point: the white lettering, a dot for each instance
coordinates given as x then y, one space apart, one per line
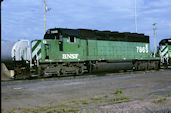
55 31
69 56
142 49
44 41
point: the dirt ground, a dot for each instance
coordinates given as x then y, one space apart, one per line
129 92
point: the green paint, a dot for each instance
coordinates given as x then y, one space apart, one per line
83 50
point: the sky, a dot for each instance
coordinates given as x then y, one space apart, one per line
24 19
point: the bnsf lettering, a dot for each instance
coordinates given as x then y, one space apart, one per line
142 49
69 56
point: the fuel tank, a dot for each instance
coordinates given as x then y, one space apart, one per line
112 66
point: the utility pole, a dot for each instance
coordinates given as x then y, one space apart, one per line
135 10
44 16
154 29
45 10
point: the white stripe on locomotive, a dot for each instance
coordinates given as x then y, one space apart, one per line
164 51
33 43
35 52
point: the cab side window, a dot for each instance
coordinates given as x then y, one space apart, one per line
71 39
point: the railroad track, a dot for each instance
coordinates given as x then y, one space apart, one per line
86 75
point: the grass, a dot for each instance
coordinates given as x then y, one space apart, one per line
62 110
24 110
169 95
123 98
12 111
118 92
96 98
2 110
62 105
85 102
106 96
59 108
73 106
141 98
72 101
66 110
160 101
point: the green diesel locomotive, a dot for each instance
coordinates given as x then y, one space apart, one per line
165 52
77 51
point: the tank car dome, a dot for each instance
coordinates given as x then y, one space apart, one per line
21 50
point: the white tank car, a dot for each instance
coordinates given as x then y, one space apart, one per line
19 50
11 51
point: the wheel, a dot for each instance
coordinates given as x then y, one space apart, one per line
58 73
77 72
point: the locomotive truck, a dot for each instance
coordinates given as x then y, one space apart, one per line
76 51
